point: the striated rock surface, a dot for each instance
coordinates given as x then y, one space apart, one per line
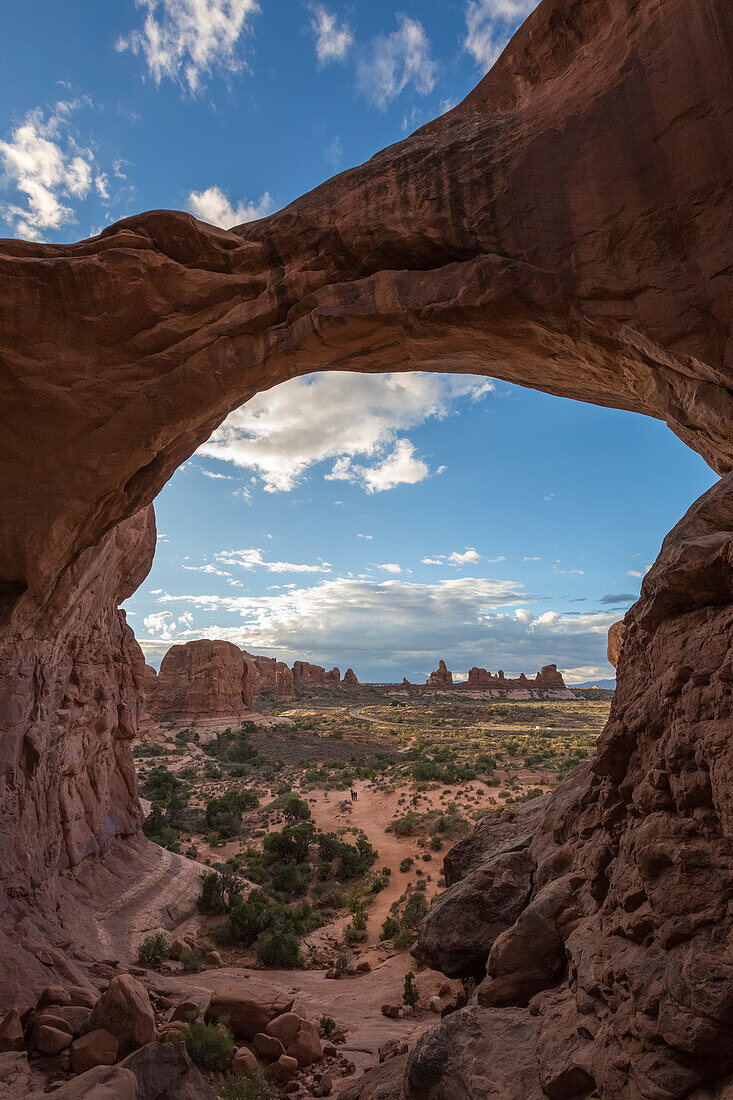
567 227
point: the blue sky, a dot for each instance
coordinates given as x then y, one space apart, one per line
379 522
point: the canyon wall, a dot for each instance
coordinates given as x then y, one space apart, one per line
567 227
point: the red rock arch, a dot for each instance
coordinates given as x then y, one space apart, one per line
566 227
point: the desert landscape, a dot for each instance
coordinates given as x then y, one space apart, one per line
249 878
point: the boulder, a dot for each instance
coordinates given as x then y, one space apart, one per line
50 1040
267 1046
284 1027
53 995
165 1070
393 1048
101 1083
245 1061
81 997
185 1011
246 1014
11 1033
96 1048
126 1012
382 1082
284 1069
76 1016
306 1046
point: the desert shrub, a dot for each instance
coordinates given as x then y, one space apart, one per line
290 880
248 1086
390 928
279 949
295 808
405 826
257 914
328 895
327 1024
154 948
355 935
410 994
406 863
210 1045
193 959
415 909
219 891
290 845
436 843
224 815
160 785
379 882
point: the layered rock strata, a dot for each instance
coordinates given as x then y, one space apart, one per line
205 679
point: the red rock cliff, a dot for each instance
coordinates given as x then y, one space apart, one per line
205 678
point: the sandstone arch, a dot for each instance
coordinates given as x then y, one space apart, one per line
567 227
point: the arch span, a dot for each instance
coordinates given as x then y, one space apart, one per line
567 227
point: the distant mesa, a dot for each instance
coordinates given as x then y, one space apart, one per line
214 679
480 679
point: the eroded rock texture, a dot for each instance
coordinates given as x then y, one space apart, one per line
205 678
567 227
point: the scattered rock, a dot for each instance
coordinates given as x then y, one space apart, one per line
186 1011
50 1040
166 1070
284 1027
267 1046
392 1011
126 1012
306 1046
245 1061
101 1083
392 1049
53 995
247 1015
435 1005
11 1033
96 1048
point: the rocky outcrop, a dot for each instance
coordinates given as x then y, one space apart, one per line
307 675
615 641
350 678
284 683
205 678
548 678
267 669
567 227
441 677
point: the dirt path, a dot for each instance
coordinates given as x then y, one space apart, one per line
372 812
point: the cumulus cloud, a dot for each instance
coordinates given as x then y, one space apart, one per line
490 24
392 627
634 573
390 567
457 559
182 40
395 61
215 207
50 171
333 39
337 416
253 558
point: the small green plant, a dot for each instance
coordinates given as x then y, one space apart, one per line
153 949
406 864
248 1086
390 928
327 1024
193 959
210 1045
411 994
279 949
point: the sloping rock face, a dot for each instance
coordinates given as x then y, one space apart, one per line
205 678
284 682
567 227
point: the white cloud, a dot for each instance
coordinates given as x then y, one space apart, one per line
253 559
549 497
634 573
184 39
336 416
526 558
215 476
360 536
333 39
490 24
214 207
334 154
396 60
208 568
44 163
390 567
457 559
394 626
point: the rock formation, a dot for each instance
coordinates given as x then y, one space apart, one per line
284 683
205 679
350 678
548 678
441 678
307 675
267 669
615 641
567 227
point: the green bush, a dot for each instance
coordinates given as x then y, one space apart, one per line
154 948
406 863
410 995
193 959
279 949
413 913
295 808
290 845
390 929
249 1086
210 1045
219 891
327 1024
